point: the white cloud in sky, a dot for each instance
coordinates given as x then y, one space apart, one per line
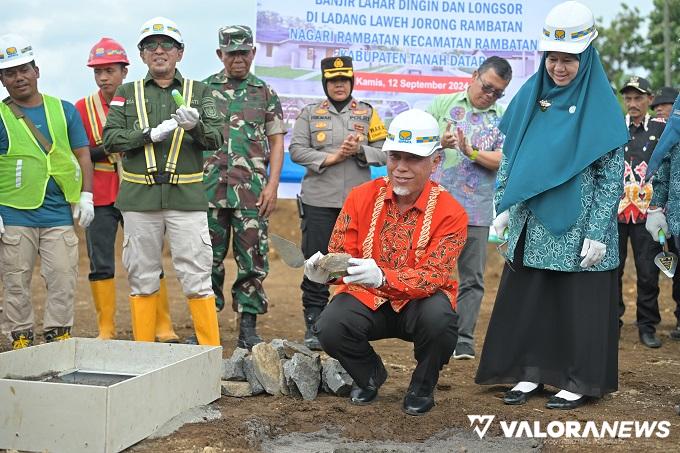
62 33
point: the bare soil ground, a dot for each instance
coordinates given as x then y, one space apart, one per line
649 380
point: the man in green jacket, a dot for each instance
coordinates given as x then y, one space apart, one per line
162 188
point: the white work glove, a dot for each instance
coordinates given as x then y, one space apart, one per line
364 272
593 252
656 220
163 130
186 117
2 227
500 223
313 271
84 210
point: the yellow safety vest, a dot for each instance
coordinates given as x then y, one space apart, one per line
26 169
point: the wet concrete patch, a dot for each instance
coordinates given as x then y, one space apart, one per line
329 441
78 377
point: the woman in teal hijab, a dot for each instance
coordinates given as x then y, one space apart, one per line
555 320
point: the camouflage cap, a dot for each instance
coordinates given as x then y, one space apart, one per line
235 37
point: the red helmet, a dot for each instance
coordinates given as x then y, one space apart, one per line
107 51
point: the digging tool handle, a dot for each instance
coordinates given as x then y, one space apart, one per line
662 237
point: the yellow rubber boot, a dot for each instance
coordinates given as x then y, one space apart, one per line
205 320
143 314
104 296
164 331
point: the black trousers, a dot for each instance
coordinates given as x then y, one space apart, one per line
644 251
346 327
673 247
101 242
316 225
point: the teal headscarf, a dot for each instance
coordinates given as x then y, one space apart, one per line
548 150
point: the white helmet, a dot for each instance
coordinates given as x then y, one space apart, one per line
160 26
569 27
413 131
14 51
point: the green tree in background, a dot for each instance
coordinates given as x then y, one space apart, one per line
653 59
624 51
621 45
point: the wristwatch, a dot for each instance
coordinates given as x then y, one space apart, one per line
146 133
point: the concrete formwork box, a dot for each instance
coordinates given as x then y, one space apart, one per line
88 395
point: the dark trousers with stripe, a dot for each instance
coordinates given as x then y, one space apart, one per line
347 326
317 225
644 251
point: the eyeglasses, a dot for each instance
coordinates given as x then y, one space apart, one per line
151 46
489 89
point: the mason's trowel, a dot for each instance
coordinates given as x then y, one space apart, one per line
289 251
666 261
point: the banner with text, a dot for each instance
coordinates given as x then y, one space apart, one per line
404 51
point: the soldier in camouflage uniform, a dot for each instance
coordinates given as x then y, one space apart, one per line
240 193
336 139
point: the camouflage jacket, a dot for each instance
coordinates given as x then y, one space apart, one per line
236 173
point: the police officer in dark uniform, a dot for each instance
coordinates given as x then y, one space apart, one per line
337 140
632 214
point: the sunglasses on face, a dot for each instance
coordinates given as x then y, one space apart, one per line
153 45
489 89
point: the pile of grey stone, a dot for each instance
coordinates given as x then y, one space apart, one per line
283 367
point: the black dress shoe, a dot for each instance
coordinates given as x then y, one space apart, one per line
362 396
417 405
366 395
675 333
560 403
650 340
517 397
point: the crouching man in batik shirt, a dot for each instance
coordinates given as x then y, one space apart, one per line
404 233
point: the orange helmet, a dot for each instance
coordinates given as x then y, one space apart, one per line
107 51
